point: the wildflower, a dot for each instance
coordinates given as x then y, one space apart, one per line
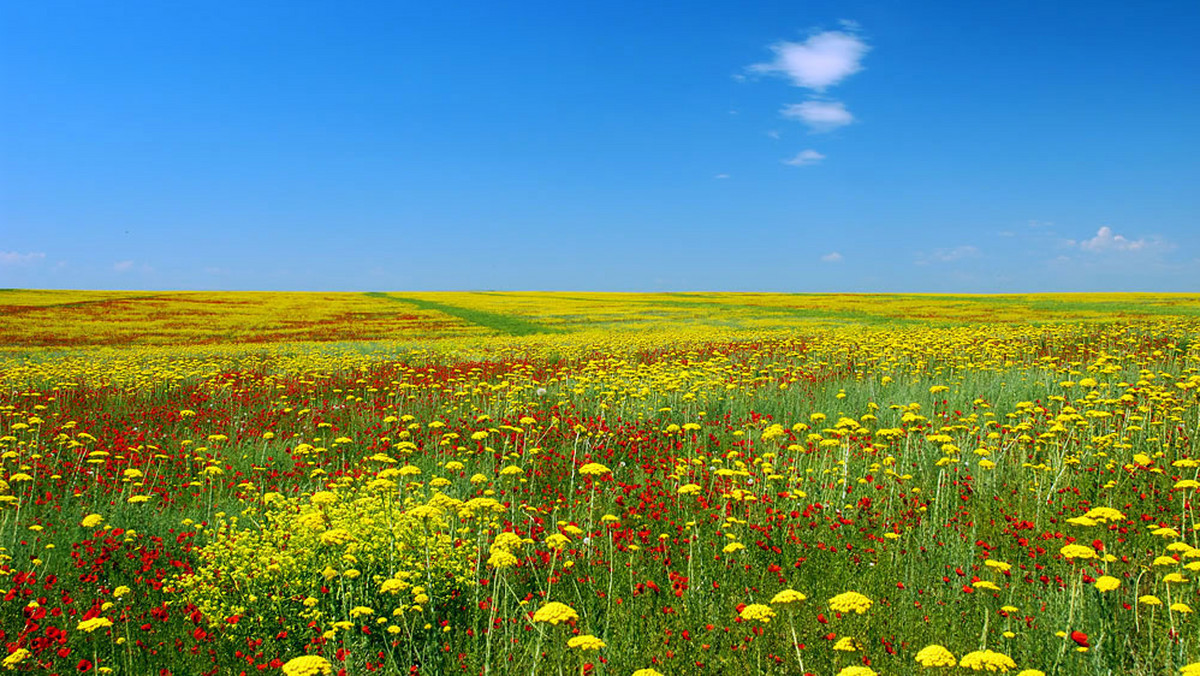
987 660
1074 551
361 611
850 602
18 656
121 591
308 665
1107 583
857 670
91 521
647 672
1031 672
1181 607
847 644
688 489
555 613
337 536
788 597
557 541
93 624
1174 578
935 656
1192 669
732 547
1149 600
501 558
593 469
585 642
323 498
758 611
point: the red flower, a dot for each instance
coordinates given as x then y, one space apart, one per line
1080 638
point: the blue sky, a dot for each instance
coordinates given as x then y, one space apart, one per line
805 146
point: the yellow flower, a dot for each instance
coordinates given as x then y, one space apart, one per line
857 670
688 489
361 611
847 602
1181 607
501 558
987 660
323 498
585 642
308 665
555 613
593 469
93 624
91 521
1149 600
1104 514
847 644
16 657
1078 552
732 547
1106 583
121 591
1031 672
788 597
1192 669
647 672
936 656
984 584
758 611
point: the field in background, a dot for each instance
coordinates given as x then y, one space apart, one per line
562 483
83 318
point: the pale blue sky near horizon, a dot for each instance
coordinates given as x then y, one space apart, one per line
720 146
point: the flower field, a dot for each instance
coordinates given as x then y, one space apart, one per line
301 484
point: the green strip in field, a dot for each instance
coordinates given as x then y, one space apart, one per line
507 324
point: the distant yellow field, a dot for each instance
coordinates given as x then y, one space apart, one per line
30 318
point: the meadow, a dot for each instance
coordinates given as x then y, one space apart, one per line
591 483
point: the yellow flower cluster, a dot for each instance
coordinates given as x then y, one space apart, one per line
850 602
758 611
987 660
936 656
555 613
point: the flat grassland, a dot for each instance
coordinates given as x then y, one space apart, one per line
600 483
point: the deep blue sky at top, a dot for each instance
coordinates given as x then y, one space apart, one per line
960 146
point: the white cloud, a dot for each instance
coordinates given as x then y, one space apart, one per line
773 134
123 266
14 258
820 116
832 257
957 253
821 61
1106 240
805 158
948 255
721 176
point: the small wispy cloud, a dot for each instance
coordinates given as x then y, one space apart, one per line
15 258
805 158
821 61
820 116
721 176
948 255
832 257
123 266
